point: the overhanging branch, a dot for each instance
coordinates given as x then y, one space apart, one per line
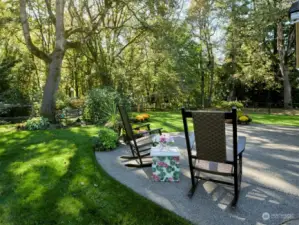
26 31
49 8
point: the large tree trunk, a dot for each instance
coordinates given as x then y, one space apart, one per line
52 85
287 93
53 60
287 89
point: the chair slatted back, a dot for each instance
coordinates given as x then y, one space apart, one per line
126 122
210 139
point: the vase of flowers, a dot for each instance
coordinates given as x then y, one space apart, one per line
163 141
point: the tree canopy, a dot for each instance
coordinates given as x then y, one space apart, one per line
153 52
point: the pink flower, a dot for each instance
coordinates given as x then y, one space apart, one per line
155 177
163 139
176 158
170 179
163 164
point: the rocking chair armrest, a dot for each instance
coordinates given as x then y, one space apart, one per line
158 130
241 144
150 145
192 140
144 125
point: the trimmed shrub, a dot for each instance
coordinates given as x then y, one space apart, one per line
227 105
38 123
106 140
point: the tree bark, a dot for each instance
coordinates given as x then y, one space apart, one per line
211 69
287 93
53 60
287 89
52 85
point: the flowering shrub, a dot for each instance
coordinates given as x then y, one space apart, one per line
244 119
142 117
38 123
145 116
139 118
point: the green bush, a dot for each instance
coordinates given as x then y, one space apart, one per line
38 123
36 109
76 103
240 113
106 140
60 104
61 100
14 96
227 105
101 106
3 109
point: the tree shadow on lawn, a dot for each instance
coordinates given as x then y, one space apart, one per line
54 179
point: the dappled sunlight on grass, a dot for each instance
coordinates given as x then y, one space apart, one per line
52 177
283 120
169 121
172 121
70 206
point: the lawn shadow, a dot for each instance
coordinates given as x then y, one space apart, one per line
55 179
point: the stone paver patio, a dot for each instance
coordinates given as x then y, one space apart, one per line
270 184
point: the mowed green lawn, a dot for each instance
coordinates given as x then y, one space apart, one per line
281 120
52 177
172 121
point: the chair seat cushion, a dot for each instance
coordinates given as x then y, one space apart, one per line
214 167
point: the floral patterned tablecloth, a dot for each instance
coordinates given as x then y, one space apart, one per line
166 164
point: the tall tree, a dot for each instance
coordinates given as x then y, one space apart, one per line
53 60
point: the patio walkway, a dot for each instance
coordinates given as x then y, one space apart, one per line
270 184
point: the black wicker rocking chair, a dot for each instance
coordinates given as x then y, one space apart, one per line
212 156
140 146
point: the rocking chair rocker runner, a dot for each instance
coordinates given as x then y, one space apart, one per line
211 151
140 147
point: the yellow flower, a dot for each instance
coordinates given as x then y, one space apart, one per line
140 118
145 116
244 118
